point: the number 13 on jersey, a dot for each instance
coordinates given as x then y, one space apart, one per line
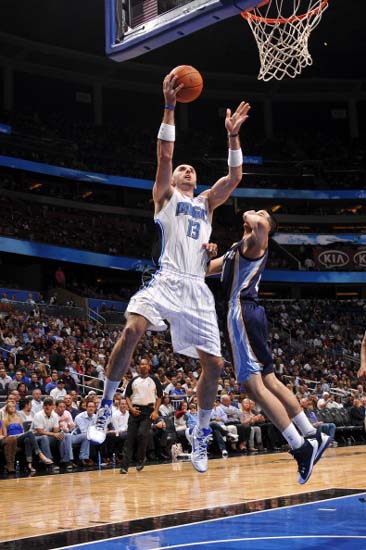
193 230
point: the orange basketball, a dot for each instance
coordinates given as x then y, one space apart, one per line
192 80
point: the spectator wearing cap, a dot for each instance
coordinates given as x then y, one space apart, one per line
68 380
59 391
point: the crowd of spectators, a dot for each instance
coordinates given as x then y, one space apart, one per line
39 187
136 237
52 366
316 160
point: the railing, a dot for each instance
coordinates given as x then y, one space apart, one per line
314 384
95 316
84 386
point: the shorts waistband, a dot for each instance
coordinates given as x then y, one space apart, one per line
182 274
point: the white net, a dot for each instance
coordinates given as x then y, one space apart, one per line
282 29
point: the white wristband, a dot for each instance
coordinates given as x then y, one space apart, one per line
235 158
166 132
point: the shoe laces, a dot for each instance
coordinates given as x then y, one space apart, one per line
202 444
102 418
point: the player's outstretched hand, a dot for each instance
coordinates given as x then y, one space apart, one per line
211 249
170 89
234 121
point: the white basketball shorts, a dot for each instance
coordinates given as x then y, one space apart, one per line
188 305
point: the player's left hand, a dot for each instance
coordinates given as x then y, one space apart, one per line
211 249
234 121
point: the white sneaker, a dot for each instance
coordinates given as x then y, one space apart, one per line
199 439
224 453
97 431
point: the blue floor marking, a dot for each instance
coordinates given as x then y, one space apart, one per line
339 524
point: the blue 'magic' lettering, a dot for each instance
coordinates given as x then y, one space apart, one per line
187 209
183 208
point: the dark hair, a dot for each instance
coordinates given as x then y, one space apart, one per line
24 402
48 401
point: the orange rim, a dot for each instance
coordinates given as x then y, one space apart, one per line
282 20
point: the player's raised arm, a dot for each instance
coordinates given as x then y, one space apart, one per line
162 189
223 188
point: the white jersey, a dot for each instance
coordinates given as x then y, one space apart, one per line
185 226
177 293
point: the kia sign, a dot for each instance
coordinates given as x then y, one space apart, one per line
359 259
340 259
333 258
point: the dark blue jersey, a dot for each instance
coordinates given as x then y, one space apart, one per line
246 327
241 276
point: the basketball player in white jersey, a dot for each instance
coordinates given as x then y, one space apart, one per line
178 292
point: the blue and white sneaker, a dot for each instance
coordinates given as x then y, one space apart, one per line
199 438
305 457
98 430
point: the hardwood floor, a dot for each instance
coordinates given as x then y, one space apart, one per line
57 503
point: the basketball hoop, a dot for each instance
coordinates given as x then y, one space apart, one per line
282 29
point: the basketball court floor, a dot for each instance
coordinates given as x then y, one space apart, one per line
243 502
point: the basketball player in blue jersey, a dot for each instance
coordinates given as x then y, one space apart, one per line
178 292
247 338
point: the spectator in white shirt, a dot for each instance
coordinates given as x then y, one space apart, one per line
79 437
46 422
59 391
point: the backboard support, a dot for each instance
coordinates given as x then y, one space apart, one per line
135 27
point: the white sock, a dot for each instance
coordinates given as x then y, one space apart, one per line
292 436
204 417
302 422
110 387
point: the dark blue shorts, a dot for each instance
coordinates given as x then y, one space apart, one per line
247 340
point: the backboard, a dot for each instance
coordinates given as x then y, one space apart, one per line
135 27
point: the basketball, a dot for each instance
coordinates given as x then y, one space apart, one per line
192 80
